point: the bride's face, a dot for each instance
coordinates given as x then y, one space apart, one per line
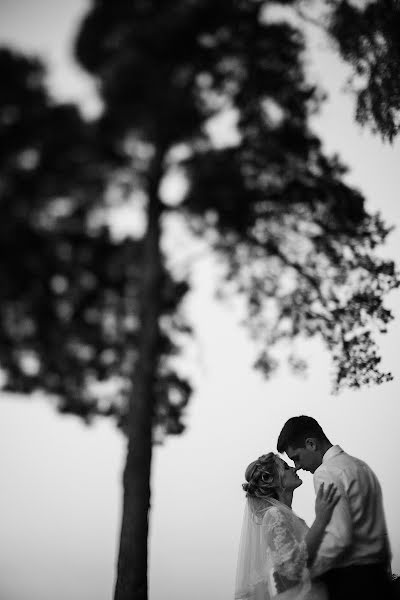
289 478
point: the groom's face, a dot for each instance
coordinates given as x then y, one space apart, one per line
306 458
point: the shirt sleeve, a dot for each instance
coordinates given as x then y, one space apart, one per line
287 554
339 531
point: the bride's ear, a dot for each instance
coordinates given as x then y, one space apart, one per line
311 444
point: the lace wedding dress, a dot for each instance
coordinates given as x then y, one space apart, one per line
272 563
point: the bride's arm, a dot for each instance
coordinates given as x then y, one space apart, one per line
325 502
286 550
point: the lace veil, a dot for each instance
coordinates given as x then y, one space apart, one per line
272 561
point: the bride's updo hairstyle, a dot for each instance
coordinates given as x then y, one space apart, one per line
263 477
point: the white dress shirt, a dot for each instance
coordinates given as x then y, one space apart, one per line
357 532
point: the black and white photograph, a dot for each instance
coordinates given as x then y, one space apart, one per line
200 299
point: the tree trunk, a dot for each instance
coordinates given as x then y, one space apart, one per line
131 581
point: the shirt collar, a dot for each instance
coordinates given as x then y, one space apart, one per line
333 451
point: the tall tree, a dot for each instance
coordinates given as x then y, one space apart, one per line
298 242
79 308
69 290
70 294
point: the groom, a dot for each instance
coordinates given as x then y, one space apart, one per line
354 557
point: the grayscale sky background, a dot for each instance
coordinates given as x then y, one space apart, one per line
60 481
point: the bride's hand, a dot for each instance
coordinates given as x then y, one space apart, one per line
326 501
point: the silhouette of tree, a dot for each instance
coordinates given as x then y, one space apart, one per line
80 308
297 241
69 292
368 39
366 36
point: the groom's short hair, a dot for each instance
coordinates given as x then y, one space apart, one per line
296 430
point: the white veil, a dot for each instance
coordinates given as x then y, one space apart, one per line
272 561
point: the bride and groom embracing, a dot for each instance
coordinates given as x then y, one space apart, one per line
344 555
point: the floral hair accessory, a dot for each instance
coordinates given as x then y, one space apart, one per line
262 476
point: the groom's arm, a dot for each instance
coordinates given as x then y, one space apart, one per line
339 531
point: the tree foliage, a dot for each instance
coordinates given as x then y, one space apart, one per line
291 231
297 241
367 38
69 308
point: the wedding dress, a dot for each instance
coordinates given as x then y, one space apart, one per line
272 563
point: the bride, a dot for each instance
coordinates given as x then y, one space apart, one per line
277 548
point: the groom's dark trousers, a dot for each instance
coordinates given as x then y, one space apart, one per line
366 582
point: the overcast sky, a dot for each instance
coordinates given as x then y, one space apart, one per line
61 493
